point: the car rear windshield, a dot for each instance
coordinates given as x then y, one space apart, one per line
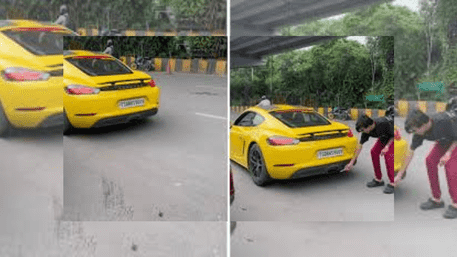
99 66
38 42
299 118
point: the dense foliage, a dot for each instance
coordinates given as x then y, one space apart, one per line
122 14
338 73
181 47
425 42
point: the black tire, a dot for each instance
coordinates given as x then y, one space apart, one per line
5 126
256 166
67 127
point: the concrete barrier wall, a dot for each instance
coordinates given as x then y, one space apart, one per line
355 113
404 107
202 66
95 32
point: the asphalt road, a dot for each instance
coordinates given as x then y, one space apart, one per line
31 187
340 197
345 239
171 167
415 188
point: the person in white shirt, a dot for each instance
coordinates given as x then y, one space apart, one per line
264 103
63 18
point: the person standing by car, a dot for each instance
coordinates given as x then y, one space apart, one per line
441 128
383 129
63 18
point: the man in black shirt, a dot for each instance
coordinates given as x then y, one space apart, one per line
441 128
383 129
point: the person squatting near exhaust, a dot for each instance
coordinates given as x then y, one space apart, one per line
383 129
441 128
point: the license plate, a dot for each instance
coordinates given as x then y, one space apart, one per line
330 153
131 103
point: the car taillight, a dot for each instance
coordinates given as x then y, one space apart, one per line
152 83
350 133
278 140
81 90
397 135
23 74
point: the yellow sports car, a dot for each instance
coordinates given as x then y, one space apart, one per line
400 150
100 90
286 142
31 74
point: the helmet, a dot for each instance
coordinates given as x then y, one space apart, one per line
63 9
110 42
452 104
264 97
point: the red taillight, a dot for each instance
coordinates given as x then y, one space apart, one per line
23 74
276 140
92 57
81 90
350 133
38 29
152 83
397 135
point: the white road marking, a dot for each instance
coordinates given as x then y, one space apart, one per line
211 116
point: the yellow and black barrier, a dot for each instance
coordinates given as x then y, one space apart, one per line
404 107
201 66
95 32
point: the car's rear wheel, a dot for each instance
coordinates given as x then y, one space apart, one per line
331 116
67 128
133 66
257 167
5 126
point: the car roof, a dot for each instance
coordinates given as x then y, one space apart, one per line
10 24
280 107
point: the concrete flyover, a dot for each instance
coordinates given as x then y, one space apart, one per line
264 17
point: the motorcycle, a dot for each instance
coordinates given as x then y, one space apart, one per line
143 63
391 112
340 113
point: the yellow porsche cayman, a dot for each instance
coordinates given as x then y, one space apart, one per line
31 74
100 91
400 150
286 142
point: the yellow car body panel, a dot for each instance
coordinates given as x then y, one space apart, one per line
302 155
400 152
43 96
105 104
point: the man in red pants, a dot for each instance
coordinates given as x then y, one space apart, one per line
383 129
442 128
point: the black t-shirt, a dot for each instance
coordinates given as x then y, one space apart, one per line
384 130
443 130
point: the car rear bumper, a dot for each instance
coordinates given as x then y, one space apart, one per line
96 110
125 118
285 162
400 152
320 170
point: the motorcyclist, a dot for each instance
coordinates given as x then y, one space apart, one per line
264 102
109 47
63 18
